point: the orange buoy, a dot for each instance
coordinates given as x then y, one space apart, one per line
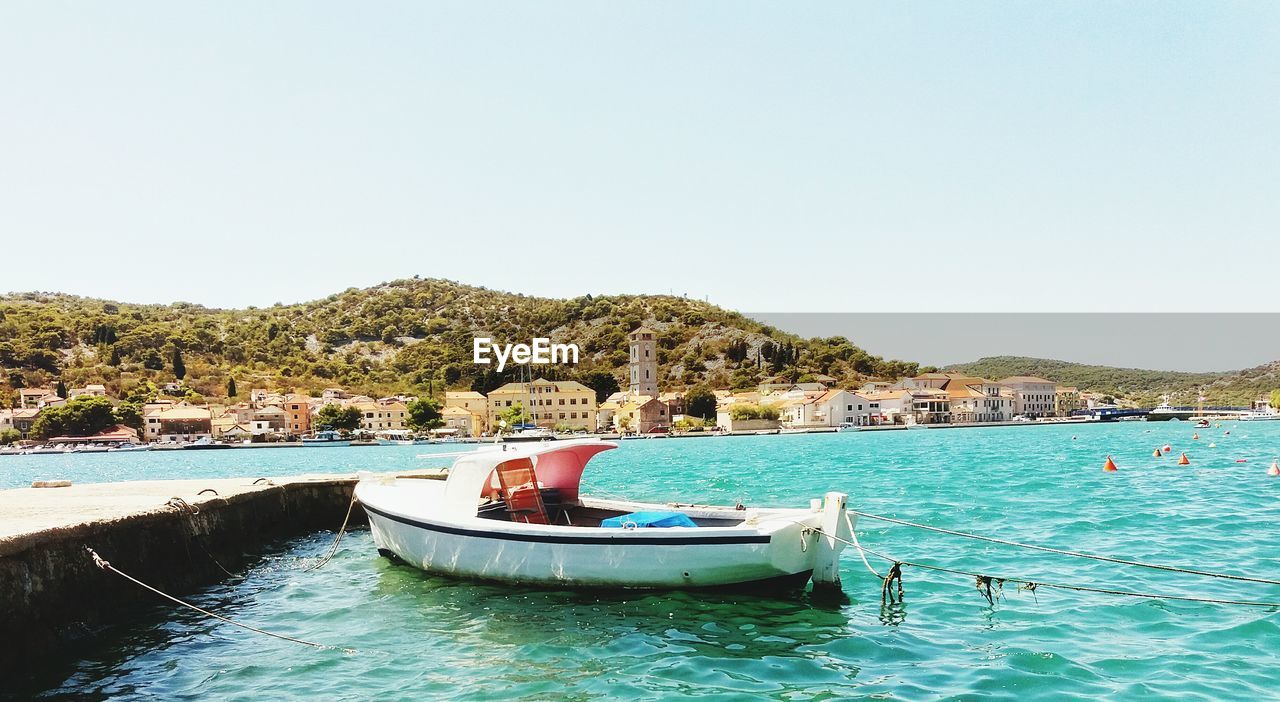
1167 448
1184 461
1195 437
1110 465
1274 469
1156 453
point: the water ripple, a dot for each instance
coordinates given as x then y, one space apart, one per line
426 637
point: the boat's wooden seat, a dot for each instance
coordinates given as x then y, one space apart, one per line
521 492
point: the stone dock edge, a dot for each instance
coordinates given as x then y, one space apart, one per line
54 599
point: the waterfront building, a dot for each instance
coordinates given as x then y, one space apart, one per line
461 422
1032 396
837 406
641 414
270 419
890 406
474 404
234 431
799 411
605 415
375 417
546 403
116 434
643 370
1067 400
469 400
979 400
6 420
177 423
674 402
221 423
297 410
931 381
930 406
23 418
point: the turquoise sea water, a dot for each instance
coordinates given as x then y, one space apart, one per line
425 637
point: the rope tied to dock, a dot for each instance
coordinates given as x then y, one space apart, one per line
105 565
1074 554
191 511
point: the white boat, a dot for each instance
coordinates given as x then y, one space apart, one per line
205 443
848 426
1256 416
515 515
530 434
42 450
91 448
128 447
326 438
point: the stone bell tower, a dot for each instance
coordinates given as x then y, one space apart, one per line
644 362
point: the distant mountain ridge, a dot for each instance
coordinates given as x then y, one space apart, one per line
412 335
1142 385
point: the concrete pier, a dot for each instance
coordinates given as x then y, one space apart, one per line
51 595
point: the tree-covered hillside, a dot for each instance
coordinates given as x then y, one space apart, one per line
403 336
1143 386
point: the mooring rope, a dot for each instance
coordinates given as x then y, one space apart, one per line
1075 554
338 540
985 581
854 534
191 511
106 565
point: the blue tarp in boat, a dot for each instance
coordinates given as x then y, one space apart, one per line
649 519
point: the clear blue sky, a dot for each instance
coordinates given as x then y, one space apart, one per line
786 157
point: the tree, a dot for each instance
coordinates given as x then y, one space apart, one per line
129 414
424 414
231 387
747 410
513 415
700 402
1275 399
61 389
338 417
602 382
9 436
83 416
179 368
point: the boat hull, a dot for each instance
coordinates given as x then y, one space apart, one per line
601 558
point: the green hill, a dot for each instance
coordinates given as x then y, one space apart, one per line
1143 386
403 336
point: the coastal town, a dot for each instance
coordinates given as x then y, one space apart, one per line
564 406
